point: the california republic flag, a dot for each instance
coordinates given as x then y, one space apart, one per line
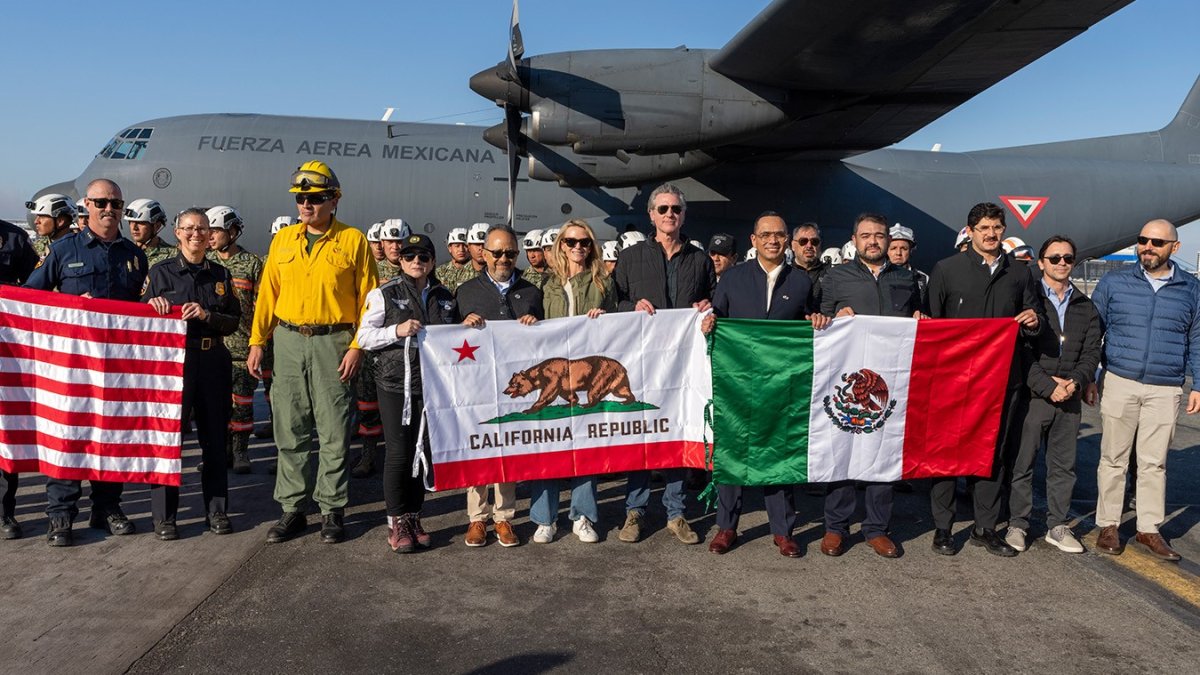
565 397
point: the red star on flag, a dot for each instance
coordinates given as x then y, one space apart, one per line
465 352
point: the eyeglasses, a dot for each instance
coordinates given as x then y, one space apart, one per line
772 236
572 243
316 199
409 257
1055 259
103 203
805 241
1155 242
189 231
673 208
511 255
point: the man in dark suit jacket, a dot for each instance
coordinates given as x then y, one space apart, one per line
763 288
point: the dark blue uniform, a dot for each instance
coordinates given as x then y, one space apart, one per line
82 263
17 257
17 260
207 372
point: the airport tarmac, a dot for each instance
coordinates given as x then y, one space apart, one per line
227 604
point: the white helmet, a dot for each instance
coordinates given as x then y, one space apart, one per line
373 232
697 244
899 231
532 240
849 252
53 205
223 218
831 256
457 235
789 256
964 236
81 207
280 223
478 233
549 237
1012 243
145 211
393 229
751 254
609 251
630 238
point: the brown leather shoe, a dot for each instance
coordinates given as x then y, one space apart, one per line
1109 541
1155 543
476 534
788 546
722 542
505 534
884 546
831 544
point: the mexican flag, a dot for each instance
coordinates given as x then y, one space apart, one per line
565 397
870 398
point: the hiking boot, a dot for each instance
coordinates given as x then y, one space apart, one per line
241 462
400 534
419 534
59 533
683 532
631 532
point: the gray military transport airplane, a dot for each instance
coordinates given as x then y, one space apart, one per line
795 114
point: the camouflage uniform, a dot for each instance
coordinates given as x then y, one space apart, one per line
386 270
452 275
42 244
535 277
246 270
157 251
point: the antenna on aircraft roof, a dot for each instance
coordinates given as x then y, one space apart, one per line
387 114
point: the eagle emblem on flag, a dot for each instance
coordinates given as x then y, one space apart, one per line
861 404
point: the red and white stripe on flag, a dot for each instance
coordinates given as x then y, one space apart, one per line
89 389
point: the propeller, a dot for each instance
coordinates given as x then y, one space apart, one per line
512 116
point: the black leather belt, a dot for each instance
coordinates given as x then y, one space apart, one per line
325 329
203 344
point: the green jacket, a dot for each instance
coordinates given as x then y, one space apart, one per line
587 296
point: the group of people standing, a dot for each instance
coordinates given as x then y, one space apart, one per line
320 300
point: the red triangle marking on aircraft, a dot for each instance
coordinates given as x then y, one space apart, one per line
466 351
1024 208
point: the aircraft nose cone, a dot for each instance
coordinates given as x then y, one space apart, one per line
489 84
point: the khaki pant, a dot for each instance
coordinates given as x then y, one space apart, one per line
308 395
505 508
1129 408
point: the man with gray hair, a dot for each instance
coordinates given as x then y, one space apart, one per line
806 250
1151 318
664 272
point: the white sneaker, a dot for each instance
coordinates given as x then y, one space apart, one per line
1015 537
583 529
545 534
1061 537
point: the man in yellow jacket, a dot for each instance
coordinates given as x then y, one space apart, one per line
314 283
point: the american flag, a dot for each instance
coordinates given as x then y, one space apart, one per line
89 389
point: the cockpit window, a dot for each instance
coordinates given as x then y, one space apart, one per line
129 144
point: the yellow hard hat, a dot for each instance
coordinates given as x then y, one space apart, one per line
315 176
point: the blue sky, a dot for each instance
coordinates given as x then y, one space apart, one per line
78 73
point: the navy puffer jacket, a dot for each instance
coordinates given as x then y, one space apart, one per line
1152 338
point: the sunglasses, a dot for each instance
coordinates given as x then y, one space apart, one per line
511 255
1055 259
315 199
103 203
673 208
1155 242
805 241
409 257
572 243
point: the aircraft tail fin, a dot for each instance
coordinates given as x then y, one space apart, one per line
1187 120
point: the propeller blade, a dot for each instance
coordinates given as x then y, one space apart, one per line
512 127
516 45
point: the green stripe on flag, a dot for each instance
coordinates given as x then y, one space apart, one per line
762 375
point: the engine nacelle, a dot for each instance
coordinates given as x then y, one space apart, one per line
581 171
643 101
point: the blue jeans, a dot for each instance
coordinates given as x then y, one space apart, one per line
637 492
543 500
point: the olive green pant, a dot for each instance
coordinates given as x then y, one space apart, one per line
308 395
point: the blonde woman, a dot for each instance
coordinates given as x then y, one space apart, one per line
577 284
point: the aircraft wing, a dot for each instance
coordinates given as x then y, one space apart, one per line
887 68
